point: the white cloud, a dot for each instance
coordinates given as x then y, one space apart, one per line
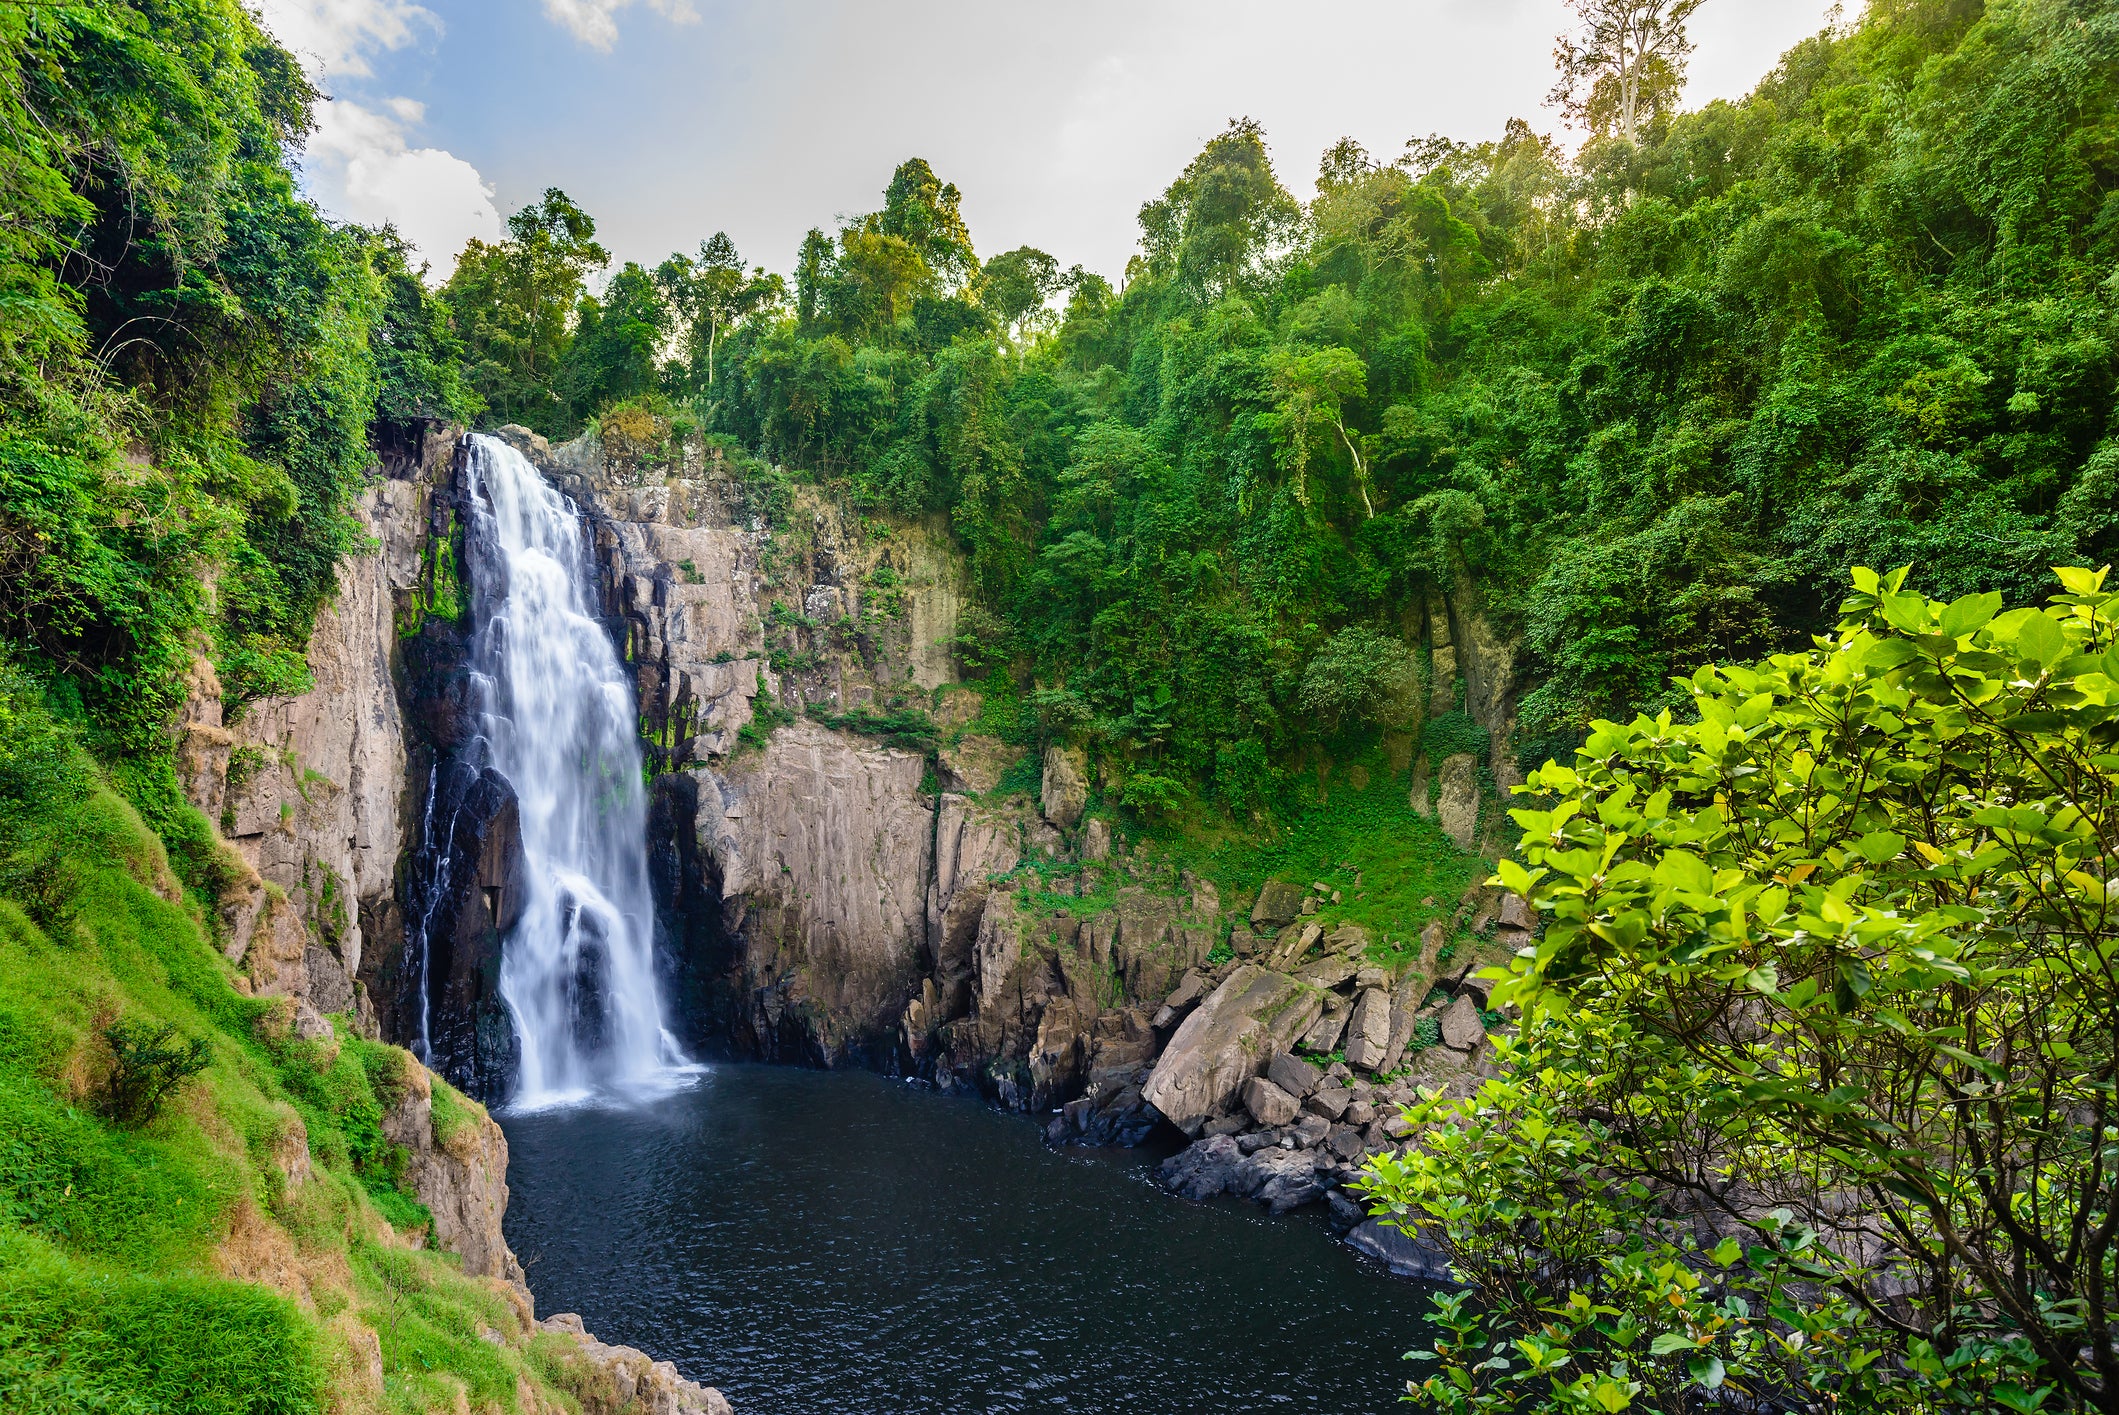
362 166
595 22
334 38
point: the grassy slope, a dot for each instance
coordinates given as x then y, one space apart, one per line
124 1253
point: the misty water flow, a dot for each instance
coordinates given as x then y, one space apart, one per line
577 971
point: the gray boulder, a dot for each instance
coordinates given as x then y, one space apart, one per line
1406 1255
1462 1028
1066 786
1268 1104
1368 1034
1330 1102
1252 1017
1278 903
1310 1130
1457 803
1293 1075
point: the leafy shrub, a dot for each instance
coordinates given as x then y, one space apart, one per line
148 1063
1357 675
1828 975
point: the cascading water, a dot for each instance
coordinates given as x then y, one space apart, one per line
577 971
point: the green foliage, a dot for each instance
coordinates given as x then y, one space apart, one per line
1830 965
148 1063
1357 676
1653 402
906 727
512 304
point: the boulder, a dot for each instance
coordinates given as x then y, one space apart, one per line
1516 913
1359 1113
1406 1255
1066 787
1330 1102
1189 990
1293 1075
1096 841
1251 1018
1324 1037
1368 1033
1331 972
1293 941
1269 1105
1457 805
1309 1130
1278 903
1462 1027
1345 1141
1372 978
1287 1179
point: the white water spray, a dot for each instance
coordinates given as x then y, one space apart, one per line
577 972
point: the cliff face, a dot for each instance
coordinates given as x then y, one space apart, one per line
843 876
309 790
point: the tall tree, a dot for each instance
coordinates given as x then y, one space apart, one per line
1624 52
513 304
1016 284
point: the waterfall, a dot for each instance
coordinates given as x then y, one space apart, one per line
577 971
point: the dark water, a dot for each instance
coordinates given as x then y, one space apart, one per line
815 1242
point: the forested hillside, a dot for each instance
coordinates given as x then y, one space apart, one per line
1648 400
1655 400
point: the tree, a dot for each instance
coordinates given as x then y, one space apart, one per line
1624 53
615 352
926 213
1829 980
512 303
1310 390
1016 284
1356 675
714 292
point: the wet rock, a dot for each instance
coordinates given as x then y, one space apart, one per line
1462 1027
1268 1104
1205 1169
1293 1075
1368 1033
1278 903
1347 1211
1252 1017
1344 1141
1286 1179
1406 1255
1066 786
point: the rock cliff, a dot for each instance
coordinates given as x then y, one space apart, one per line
309 790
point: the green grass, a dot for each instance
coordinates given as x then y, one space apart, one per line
116 1243
1333 831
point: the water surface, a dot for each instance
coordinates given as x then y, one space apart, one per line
817 1242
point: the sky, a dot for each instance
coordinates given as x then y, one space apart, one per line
668 120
